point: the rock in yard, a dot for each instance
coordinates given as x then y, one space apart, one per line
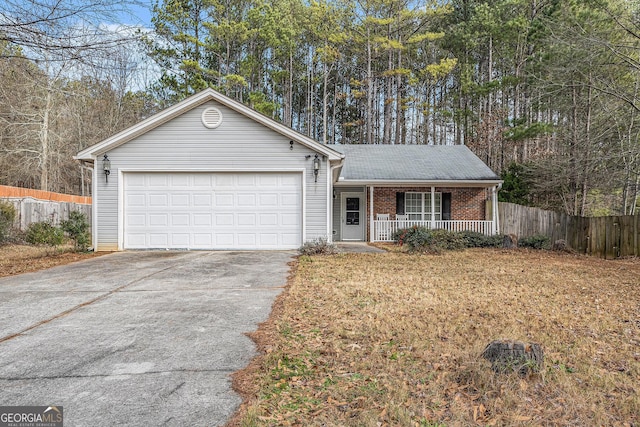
510 241
514 356
560 245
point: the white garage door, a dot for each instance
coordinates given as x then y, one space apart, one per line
212 210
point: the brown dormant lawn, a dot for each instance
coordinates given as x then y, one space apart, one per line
394 340
18 259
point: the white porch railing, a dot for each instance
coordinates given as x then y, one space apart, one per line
383 229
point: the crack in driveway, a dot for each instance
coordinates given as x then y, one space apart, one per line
81 305
122 374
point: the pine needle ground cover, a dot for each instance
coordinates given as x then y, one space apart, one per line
395 339
18 259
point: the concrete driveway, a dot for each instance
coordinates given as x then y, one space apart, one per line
136 338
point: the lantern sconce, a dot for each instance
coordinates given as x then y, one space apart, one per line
316 166
106 167
291 145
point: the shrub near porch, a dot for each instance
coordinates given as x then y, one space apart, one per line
395 339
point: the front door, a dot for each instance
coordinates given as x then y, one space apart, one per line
352 216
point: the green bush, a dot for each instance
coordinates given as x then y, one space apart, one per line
319 246
414 237
7 216
473 239
447 240
422 239
426 240
43 233
77 227
538 241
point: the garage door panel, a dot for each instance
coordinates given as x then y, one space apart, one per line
224 200
246 220
223 181
202 200
159 240
203 181
289 199
289 239
180 239
157 180
158 220
246 180
213 210
181 180
290 181
224 240
269 199
179 219
268 180
247 200
224 219
135 200
289 220
203 240
269 219
179 200
159 200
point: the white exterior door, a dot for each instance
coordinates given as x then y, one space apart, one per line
352 216
212 210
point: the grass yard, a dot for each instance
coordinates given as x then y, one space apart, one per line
394 339
18 259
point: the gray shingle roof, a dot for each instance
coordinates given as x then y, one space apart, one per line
412 163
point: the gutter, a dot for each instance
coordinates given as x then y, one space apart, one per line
412 183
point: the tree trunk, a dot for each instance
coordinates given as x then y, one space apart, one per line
44 143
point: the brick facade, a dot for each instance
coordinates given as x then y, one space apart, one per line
466 203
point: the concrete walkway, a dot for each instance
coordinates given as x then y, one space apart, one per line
136 338
358 247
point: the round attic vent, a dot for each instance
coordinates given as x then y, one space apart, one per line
211 117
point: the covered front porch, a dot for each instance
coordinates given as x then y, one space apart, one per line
375 212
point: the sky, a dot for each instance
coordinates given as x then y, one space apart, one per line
138 14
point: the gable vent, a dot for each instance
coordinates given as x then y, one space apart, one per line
211 117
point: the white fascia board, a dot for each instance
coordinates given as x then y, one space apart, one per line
193 102
418 183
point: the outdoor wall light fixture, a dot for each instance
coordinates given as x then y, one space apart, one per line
106 167
291 145
316 166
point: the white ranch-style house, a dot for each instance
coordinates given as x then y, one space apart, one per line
211 173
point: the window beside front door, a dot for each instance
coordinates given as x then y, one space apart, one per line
418 206
353 211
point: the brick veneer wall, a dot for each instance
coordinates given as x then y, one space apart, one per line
466 203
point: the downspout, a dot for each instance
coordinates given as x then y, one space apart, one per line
496 216
330 201
94 205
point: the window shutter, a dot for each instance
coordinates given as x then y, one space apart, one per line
446 206
399 203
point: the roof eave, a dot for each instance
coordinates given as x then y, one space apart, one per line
421 183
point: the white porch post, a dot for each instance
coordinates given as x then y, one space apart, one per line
371 213
496 216
433 207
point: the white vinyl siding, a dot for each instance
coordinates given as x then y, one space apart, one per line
184 144
418 206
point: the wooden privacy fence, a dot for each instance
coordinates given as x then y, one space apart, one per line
607 237
36 206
